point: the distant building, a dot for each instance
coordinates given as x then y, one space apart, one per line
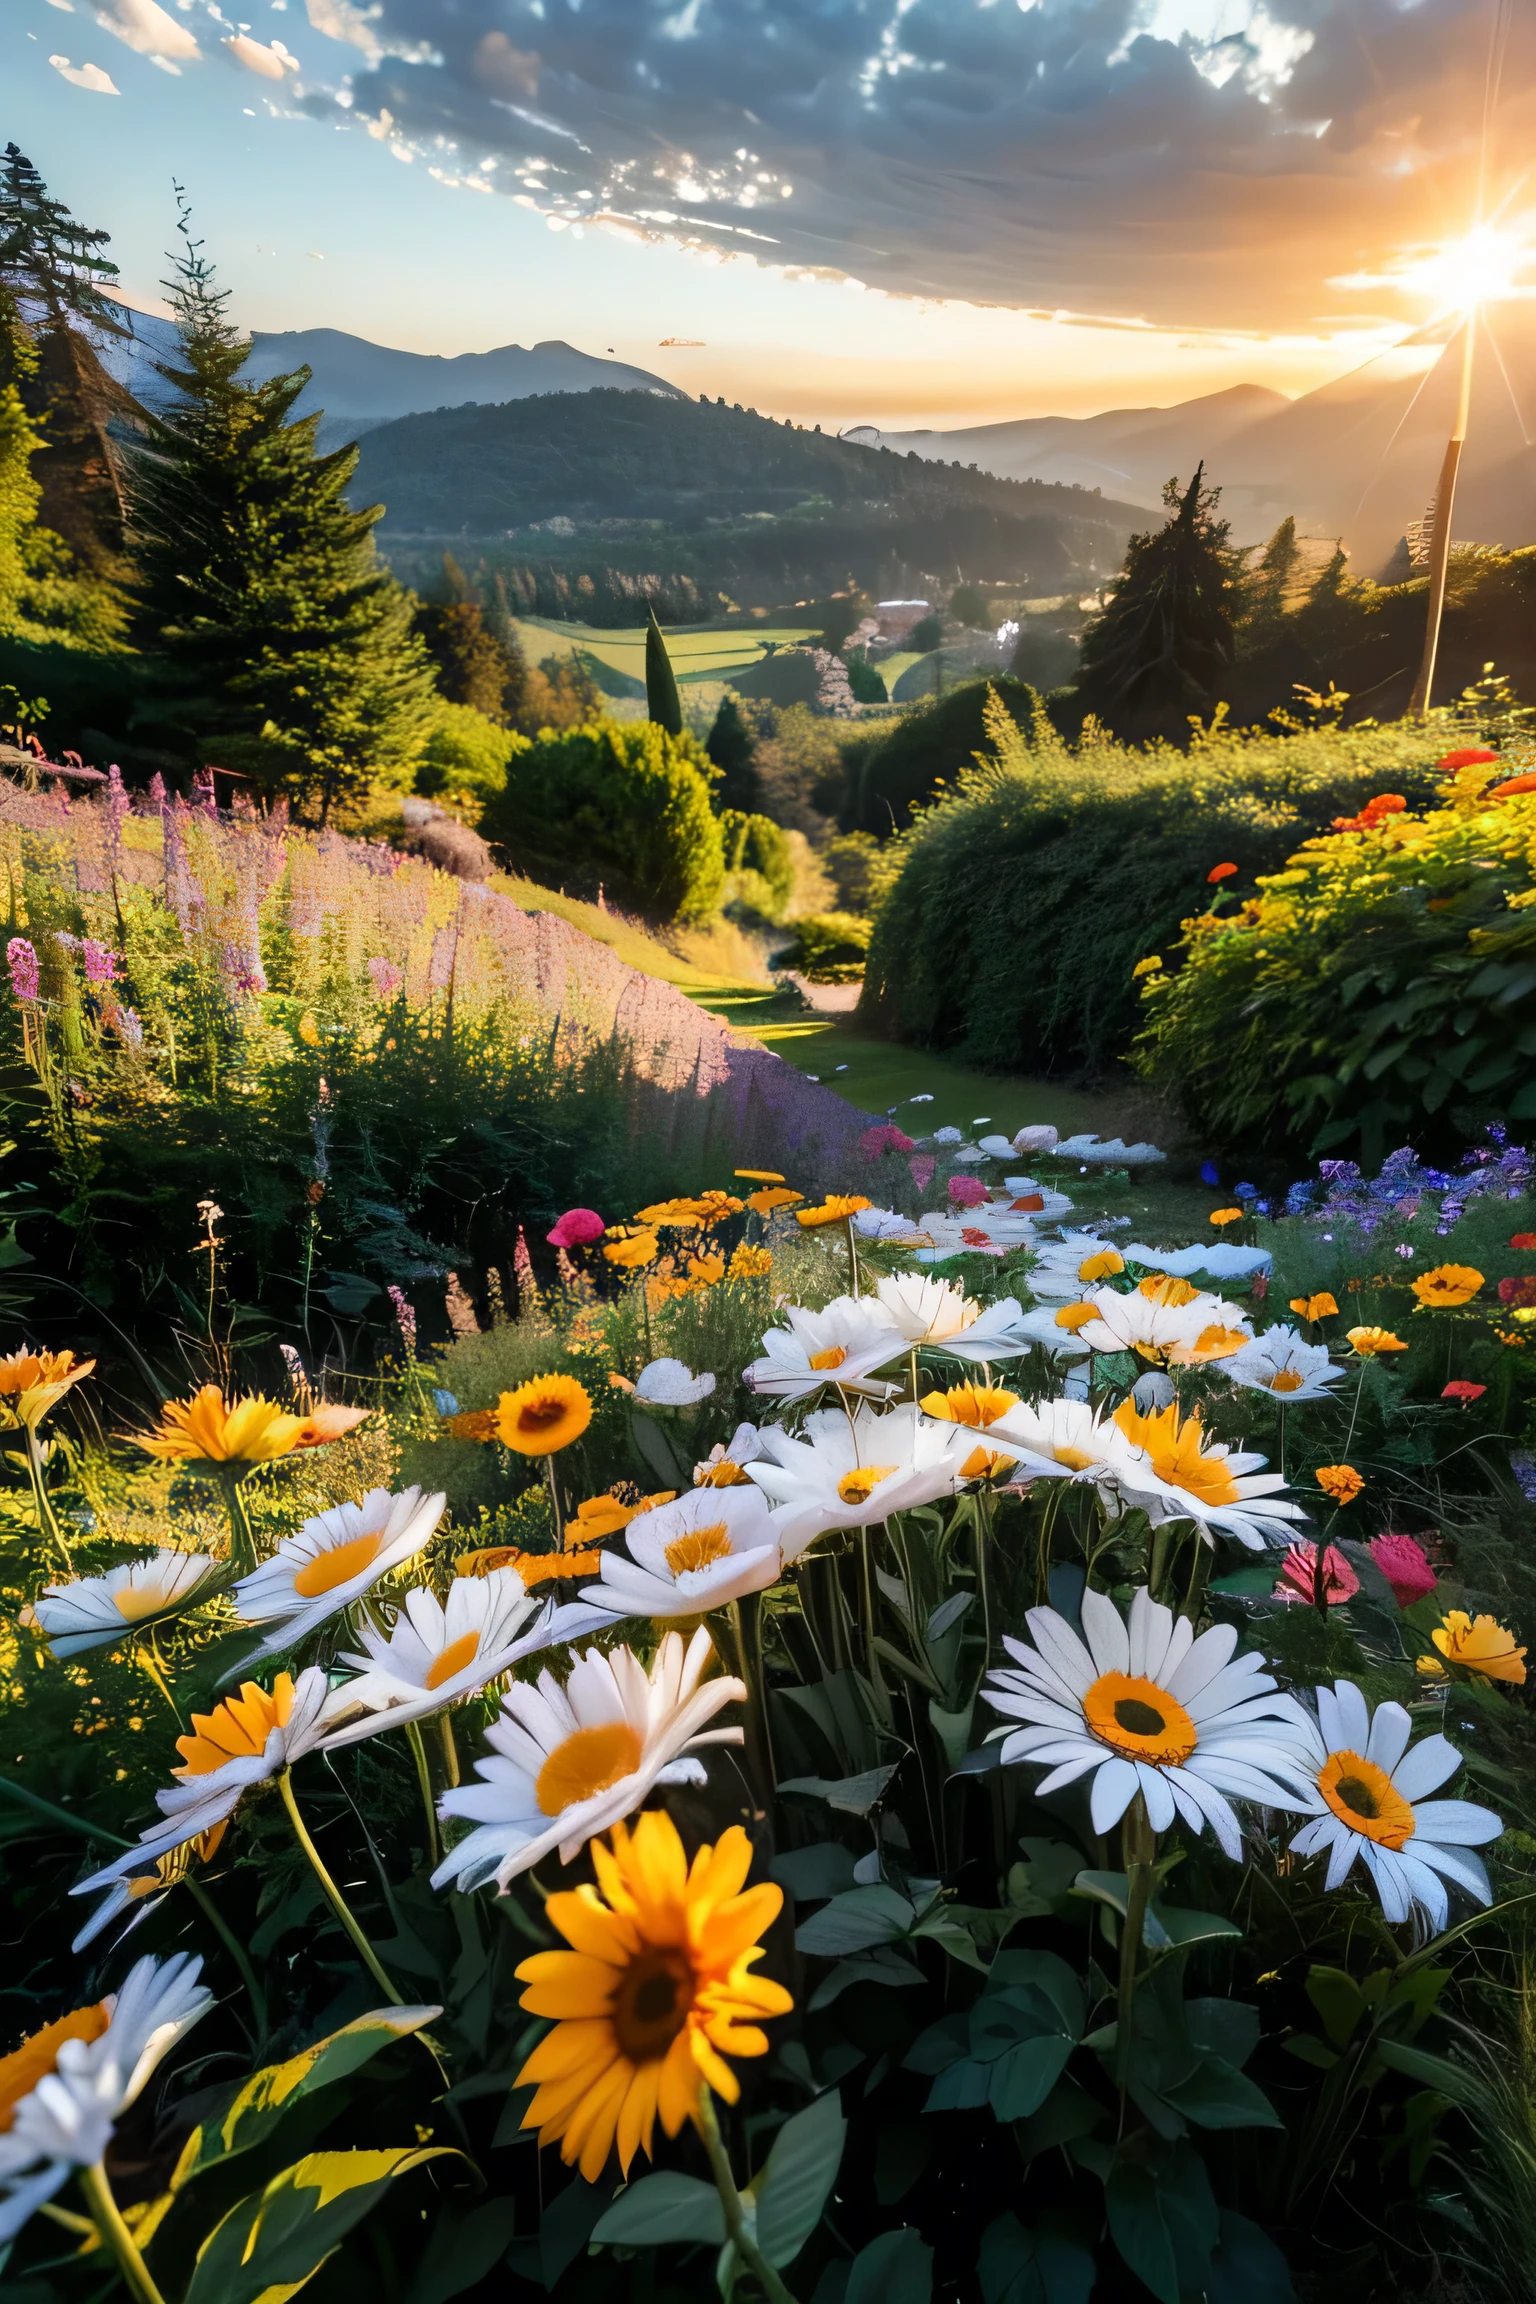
897 617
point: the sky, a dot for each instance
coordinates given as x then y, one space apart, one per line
907 212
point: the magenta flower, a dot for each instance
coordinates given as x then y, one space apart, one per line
966 1192
885 1138
1405 1567
386 976
100 962
405 1315
922 1166
576 1229
22 962
1298 1576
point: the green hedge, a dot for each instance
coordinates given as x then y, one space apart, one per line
619 803
466 752
1028 895
891 772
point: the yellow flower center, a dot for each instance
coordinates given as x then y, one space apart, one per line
1139 1720
588 1762
1162 1288
833 1358
138 1600
1176 1453
452 1659
725 1474
338 1565
1215 1343
983 1464
1285 1380
21 2071
700 1548
1075 1316
1362 1796
1075 1459
651 2003
857 1487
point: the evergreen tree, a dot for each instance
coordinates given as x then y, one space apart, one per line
285 649
502 626
1162 646
732 745
19 442
58 274
471 667
1267 589
662 702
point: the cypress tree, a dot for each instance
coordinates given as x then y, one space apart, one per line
662 702
283 646
1163 644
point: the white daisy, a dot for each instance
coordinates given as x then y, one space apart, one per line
1065 1267
672 1384
1175 1473
1368 1789
848 1473
1149 1708
940 1315
1041 1203
65 2121
435 1653
1059 1440
724 1466
93 1611
843 1344
243 1742
1162 1321
1281 1361
705 1548
332 1561
1094 1152
887 1224
569 1762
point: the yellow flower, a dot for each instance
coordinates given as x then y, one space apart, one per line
1447 1284
1166 1288
1178 1458
309 1030
714 1207
1147 967
833 1210
759 1175
1480 1643
38 2055
33 1383
1225 1216
1319 1307
532 1567
237 1729
686 1213
706 1269
1340 1481
328 1420
208 1429
1368 1342
606 1515
748 1263
654 1994
543 1415
631 1249
973 1404
1102 1265
766 1201
472 1424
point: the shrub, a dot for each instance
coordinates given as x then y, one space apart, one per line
465 753
829 948
1381 986
757 845
1028 894
864 680
892 772
621 803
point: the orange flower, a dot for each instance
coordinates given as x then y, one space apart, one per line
33 1383
543 1415
1225 1216
771 1198
1510 786
328 1420
38 2055
1319 1307
1480 1644
1220 872
758 1175
706 1269
208 1429
532 1567
1369 1342
748 1263
1340 1481
1447 1285
631 1249
833 1210
472 1424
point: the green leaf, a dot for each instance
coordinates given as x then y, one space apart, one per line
1339 2001
1218 2096
856 1920
270 2094
1044 2267
1138 2230
852 1795
792 2189
461 2250
809 1874
881 1966
953 1729
1453 2080
275 2240
1024 2077
661 2210
895 2269
1247 2267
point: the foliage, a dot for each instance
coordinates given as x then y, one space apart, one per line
969 605
278 640
828 948
1380 986
865 679
475 666
892 771
661 698
1030 891
863 869
1161 646
464 754
732 746
617 802
755 844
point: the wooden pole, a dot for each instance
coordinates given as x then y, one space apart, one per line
1440 534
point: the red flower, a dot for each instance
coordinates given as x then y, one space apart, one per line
1471 759
1513 784
1525 1240
1521 1291
1404 1566
1298 1575
966 1192
1384 804
885 1138
1460 1389
1220 872
576 1228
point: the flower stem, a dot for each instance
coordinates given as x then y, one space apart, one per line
554 1502
236 1951
736 2225
47 1519
334 1897
1138 1844
747 1627
853 1259
108 2220
149 1657
242 1536
423 1778
450 1749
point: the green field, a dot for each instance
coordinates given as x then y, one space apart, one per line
703 656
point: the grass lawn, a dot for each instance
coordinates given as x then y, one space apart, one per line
697 655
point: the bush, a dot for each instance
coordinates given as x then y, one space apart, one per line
829 948
624 804
862 869
1029 893
892 772
756 844
1380 987
465 753
864 680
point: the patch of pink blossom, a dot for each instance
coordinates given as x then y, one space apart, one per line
967 1192
577 1228
1298 1576
1405 1566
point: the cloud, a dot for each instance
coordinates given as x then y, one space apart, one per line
1204 163
85 76
268 63
144 26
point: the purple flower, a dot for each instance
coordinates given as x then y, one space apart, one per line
405 1314
100 962
1209 1172
387 978
125 1022
22 962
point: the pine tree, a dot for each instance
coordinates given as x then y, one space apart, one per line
662 702
284 647
471 668
58 274
732 745
1163 644
20 440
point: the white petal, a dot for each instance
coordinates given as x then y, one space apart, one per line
1060 1645
1390 1731
1207 1656
1458 1864
1156 1792
1425 1767
1114 1788
1457 1823
1354 1717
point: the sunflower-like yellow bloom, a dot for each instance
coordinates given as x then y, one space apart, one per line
758 1175
833 1210
237 1729
773 1197
1480 1643
1225 1216
1340 1481
975 1404
631 1249
1447 1285
208 1429
1318 1307
1369 1342
749 1263
532 1567
33 1383
654 1994
543 1415
38 2054
686 1215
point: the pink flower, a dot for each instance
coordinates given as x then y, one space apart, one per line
405 1314
966 1192
922 1168
1459 1389
885 1138
100 962
1298 1576
576 1228
22 962
1405 1567
386 978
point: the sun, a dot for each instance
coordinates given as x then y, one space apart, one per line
1486 266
